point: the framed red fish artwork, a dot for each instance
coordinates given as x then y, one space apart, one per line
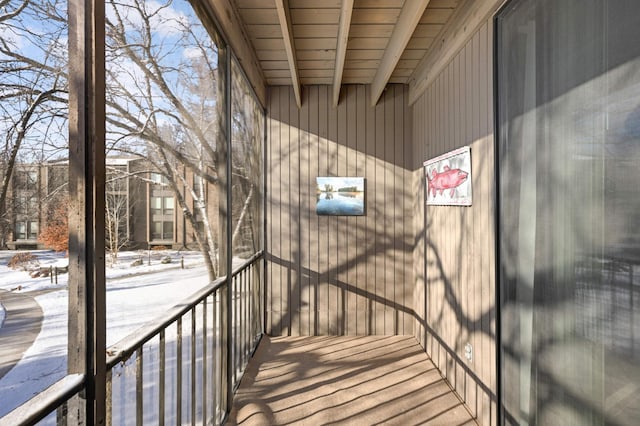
448 178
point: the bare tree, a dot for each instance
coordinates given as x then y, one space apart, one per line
247 136
163 104
11 9
117 210
33 89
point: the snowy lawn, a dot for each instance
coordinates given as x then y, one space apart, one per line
135 295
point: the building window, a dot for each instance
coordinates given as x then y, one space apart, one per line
32 230
167 230
26 230
21 230
161 205
161 209
159 179
161 230
26 179
32 204
569 234
155 204
20 204
168 205
156 230
32 178
26 202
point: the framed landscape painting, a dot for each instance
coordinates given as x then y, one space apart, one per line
340 196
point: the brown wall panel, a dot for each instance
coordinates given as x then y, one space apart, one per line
454 254
339 275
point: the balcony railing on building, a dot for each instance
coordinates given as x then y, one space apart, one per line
182 367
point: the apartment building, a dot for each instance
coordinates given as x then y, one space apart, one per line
141 207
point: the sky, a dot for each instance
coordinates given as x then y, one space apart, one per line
174 48
341 182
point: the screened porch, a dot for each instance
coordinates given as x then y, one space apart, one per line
296 91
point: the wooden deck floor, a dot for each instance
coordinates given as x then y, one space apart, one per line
344 380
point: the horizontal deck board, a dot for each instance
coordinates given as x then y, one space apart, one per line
344 380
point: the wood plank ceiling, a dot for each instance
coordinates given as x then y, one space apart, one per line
299 42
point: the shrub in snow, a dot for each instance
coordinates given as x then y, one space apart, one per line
165 259
137 262
56 234
24 261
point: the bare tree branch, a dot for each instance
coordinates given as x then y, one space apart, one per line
12 13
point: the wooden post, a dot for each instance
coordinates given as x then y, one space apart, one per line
228 242
224 116
87 331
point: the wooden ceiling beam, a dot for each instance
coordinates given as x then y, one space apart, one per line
230 24
464 23
284 17
341 48
409 18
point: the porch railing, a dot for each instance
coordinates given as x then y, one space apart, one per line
173 370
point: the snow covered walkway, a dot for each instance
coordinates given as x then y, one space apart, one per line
22 323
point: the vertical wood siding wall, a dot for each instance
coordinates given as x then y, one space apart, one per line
339 275
455 288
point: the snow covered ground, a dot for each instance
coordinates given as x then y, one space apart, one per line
135 295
